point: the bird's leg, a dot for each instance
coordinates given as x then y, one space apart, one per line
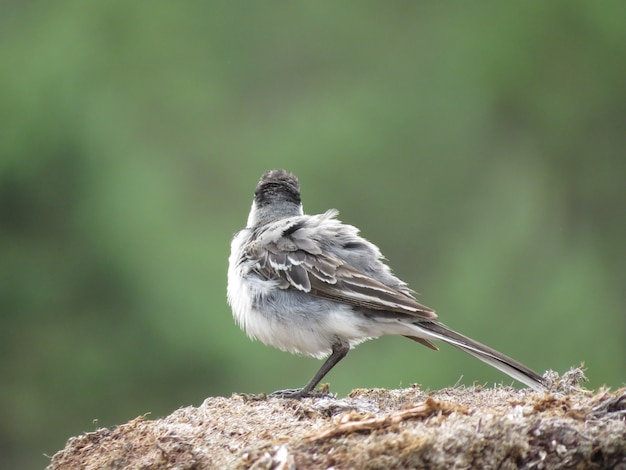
339 352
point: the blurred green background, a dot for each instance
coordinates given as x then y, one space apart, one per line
480 145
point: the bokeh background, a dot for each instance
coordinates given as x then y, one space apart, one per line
480 145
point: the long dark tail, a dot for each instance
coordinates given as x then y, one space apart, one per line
516 370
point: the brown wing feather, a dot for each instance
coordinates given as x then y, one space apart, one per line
423 341
358 289
300 264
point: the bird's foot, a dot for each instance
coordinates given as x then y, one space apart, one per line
298 393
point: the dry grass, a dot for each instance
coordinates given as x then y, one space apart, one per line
501 427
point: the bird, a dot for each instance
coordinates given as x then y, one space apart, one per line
312 285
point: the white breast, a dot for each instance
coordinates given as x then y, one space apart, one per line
238 293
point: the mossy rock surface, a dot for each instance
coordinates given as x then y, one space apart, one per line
467 427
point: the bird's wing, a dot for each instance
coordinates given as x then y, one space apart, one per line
300 262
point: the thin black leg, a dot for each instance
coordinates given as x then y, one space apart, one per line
340 350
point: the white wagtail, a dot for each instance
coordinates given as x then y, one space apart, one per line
310 284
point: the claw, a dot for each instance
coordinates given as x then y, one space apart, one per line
298 393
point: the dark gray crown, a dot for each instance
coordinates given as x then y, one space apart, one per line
277 185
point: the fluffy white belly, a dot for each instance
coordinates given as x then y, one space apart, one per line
286 321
